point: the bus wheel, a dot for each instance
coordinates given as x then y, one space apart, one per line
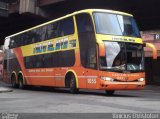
110 92
73 88
13 81
20 82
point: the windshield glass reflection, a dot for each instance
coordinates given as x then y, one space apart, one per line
123 57
113 24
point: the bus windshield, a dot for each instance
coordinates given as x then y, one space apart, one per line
122 56
113 24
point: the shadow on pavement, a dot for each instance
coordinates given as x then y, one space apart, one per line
81 91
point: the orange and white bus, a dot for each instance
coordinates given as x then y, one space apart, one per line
88 49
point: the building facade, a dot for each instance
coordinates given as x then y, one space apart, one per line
152 67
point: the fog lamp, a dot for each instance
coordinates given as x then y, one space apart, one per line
141 79
107 79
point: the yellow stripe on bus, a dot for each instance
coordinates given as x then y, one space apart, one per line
44 48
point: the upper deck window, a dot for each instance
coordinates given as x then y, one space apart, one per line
113 24
46 32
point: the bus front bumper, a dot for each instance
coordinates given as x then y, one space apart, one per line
105 85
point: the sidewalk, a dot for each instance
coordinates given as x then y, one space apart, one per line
4 87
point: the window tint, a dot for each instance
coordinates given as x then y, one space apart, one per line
87 41
51 60
46 32
34 61
37 35
47 60
53 30
56 59
66 27
12 43
66 58
84 23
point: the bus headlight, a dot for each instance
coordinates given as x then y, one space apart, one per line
141 79
107 79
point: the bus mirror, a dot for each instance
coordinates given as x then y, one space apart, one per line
155 53
101 50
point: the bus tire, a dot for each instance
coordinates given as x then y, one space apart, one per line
109 92
13 81
73 87
20 82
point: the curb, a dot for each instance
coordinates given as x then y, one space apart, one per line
2 90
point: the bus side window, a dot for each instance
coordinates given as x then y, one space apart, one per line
37 35
12 44
52 31
67 56
47 60
66 27
25 38
44 33
87 40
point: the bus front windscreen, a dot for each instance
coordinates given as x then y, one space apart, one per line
122 56
113 24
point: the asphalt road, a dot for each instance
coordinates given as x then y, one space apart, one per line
44 100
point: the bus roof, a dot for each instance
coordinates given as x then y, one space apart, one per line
72 14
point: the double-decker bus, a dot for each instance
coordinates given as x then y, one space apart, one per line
88 49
